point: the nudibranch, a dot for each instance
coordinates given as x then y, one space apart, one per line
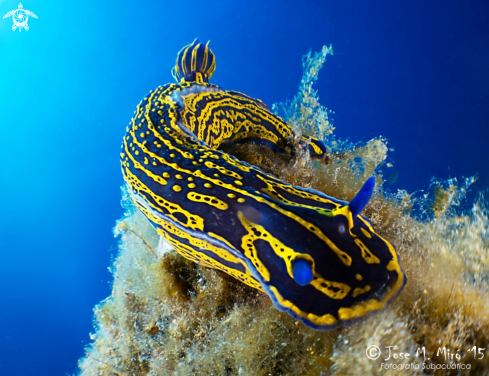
316 256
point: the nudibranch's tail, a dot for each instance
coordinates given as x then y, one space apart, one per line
195 62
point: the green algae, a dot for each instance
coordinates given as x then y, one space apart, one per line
169 316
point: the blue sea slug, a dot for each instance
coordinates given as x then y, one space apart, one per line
316 256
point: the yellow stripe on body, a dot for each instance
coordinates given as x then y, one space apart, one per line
290 189
193 63
327 319
212 67
358 310
184 62
204 59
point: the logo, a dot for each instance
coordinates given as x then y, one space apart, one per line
373 352
20 17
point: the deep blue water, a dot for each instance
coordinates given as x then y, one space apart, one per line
415 72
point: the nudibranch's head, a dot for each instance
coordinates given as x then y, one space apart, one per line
195 62
324 267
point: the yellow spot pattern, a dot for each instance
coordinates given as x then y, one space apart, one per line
210 200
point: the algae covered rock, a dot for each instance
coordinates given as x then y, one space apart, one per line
169 316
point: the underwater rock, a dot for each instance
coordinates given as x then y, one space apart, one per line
169 316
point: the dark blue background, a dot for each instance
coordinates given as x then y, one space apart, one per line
414 71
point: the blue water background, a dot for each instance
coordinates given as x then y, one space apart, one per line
414 71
